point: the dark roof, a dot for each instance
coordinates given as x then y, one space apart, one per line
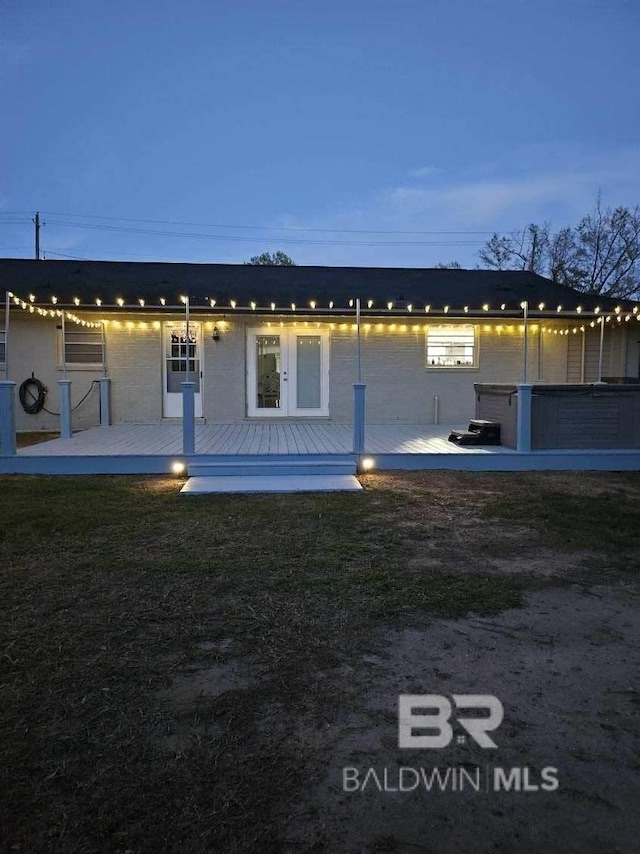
132 281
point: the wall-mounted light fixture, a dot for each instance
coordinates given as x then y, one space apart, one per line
216 334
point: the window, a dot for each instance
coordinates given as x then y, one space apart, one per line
451 347
83 347
3 349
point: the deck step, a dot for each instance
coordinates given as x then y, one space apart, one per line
278 483
273 468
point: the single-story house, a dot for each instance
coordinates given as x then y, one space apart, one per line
282 342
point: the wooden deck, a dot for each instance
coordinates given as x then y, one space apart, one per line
250 438
157 448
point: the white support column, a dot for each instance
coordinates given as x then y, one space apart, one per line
188 418
358 417
64 391
601 321
524 417
525 339
7 419
7 315
105 401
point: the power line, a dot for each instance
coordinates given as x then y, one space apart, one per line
80 255
264 227
292 240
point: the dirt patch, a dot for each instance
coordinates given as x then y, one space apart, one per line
566 670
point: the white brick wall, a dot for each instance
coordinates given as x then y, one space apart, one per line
33 348
399 388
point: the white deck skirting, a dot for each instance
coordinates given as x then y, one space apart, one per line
248 439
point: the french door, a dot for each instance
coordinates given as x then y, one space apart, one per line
287 372
180 354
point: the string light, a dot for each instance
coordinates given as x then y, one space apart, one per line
58 312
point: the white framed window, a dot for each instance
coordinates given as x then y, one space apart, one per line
82 347
452 346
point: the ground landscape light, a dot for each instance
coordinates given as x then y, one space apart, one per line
177 467
368 463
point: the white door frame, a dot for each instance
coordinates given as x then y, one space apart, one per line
172 401
288 370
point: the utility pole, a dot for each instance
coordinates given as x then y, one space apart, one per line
37 225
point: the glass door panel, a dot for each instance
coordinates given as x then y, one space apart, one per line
268 354
308 372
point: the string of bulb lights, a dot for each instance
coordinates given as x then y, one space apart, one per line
315 306
31 305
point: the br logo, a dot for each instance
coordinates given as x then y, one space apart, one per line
432 713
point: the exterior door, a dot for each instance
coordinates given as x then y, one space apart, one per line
288 372
177 354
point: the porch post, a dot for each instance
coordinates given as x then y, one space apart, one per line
105 401
524 417
358 417
601 352
525 349
7 419
188 418
7 311
64 393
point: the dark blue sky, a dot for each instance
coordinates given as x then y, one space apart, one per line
429 116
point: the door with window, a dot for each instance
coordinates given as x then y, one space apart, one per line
182 361
288 372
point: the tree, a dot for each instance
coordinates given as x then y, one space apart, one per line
600 255
449 265
271 259
520 250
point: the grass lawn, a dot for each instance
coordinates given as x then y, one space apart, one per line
193 673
